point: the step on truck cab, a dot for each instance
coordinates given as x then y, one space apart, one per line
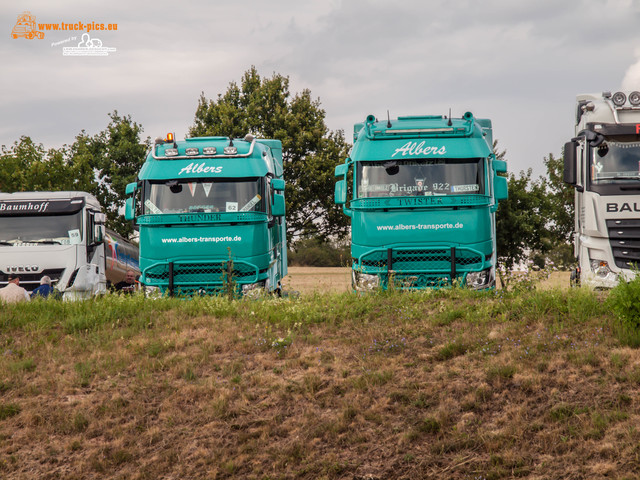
61 235
210 212
602 162
423 195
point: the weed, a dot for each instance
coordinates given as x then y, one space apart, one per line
9 410
429 425
85 371
452 350
624 301
500 372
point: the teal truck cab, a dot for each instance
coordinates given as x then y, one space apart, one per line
424 193
210 213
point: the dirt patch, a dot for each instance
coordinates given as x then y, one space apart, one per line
309 280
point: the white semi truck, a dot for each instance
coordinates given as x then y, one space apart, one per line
602 162
61 235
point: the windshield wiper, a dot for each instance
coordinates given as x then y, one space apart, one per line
45 242
620 177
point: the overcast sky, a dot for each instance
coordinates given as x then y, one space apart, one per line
519 63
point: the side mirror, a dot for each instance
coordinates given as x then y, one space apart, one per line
130 188
129 209
278 206
570 167
341 170
500 166
501 188
340 193
277 184
98 233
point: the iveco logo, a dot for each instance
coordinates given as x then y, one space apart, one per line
22 268
625 207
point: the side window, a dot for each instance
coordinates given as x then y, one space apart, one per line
90 228
269 196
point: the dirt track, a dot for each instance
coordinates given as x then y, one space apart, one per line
308 280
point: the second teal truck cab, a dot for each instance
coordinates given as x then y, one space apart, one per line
210 213
423 195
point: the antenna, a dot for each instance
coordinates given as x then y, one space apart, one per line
388 120
449 123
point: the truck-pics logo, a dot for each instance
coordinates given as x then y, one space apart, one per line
415 148
87 47
26 27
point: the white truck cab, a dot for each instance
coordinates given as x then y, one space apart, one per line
61 235
602 162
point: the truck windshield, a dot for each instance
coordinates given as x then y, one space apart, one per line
242 195
452 176
40 229
615 161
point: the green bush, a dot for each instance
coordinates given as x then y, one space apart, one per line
624 302
313 252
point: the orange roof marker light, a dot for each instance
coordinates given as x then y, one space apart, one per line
169 138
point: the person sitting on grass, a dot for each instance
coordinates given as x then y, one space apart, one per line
128 285
45 289
13 292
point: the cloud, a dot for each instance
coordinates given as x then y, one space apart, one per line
631 79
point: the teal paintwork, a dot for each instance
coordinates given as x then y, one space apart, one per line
198 247
409 228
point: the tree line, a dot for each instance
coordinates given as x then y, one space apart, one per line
535 222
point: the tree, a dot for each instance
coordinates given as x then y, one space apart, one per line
27 166
265 108
115 155
521 225
560 200
102 165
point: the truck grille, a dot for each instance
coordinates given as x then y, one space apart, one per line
426 260
425 280
624 236
196 276
31 281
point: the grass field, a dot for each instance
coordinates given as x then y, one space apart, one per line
448 384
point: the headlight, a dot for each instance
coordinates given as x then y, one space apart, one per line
600 268
619 99
252 290
151 291
479 280
363 282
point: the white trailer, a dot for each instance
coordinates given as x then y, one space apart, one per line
602 162
61 235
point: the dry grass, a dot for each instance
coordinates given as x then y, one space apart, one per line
307 280
443 385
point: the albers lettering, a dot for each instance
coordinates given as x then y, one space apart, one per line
625 207
24 207
200 168
415 148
